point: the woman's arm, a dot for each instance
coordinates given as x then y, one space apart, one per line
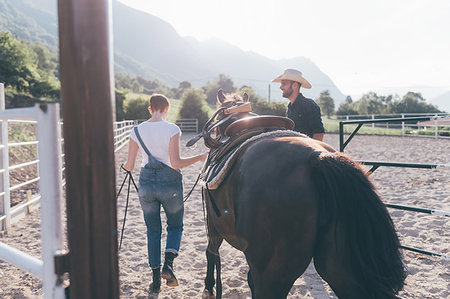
132 154
174 154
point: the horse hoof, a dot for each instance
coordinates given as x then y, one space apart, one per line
207 295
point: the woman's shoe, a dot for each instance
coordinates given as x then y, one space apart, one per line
155 286
167 270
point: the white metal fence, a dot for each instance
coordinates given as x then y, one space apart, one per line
188 124
438 127
50 189
48 193
122 131
47 186
19 198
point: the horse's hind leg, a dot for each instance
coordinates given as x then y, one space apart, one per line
213 261
335 270
274 282
274 267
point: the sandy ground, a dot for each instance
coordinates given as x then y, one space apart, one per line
429 277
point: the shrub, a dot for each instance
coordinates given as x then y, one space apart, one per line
136 108
194 106
120 95
274 108
446 133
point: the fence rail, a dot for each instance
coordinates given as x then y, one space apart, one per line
188 124
435 125
376 164
14 208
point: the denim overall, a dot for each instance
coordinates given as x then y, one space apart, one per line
160 185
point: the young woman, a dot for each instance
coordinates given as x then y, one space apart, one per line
160 184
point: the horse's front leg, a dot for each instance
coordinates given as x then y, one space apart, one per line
213 261
250 283
208 293
218 276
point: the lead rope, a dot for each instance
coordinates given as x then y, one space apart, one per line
192 189
130 178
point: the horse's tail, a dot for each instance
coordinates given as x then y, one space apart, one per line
369 239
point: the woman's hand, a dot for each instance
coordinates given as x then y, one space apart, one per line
126 167
204 156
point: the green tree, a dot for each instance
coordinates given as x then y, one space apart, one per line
136 87
136 108
142 85
122 81
226 84
252 95
211 88
184 85
370 103
412 102
193 106
28 68
47 61
326 103
346 109
17 63
272 108
177 92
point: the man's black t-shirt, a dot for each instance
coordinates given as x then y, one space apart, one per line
306 116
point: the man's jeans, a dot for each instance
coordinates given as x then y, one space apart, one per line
161 187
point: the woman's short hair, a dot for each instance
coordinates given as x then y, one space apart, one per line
159 102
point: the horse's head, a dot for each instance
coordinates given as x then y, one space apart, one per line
231 109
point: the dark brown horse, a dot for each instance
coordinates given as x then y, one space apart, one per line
291 199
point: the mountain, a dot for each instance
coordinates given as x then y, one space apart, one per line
31 20
147 46
442 101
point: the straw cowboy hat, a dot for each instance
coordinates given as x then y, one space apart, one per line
293 75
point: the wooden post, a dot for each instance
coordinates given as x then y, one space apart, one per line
86 90
373 125
403 125
436 127
29 197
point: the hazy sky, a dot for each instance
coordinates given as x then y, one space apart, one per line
362 45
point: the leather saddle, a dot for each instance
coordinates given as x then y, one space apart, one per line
222 158
259 121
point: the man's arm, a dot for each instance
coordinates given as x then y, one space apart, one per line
317 125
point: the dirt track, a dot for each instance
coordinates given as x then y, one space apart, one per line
429 276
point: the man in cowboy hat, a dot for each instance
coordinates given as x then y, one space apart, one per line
303 111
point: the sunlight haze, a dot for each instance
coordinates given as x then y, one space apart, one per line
362 46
